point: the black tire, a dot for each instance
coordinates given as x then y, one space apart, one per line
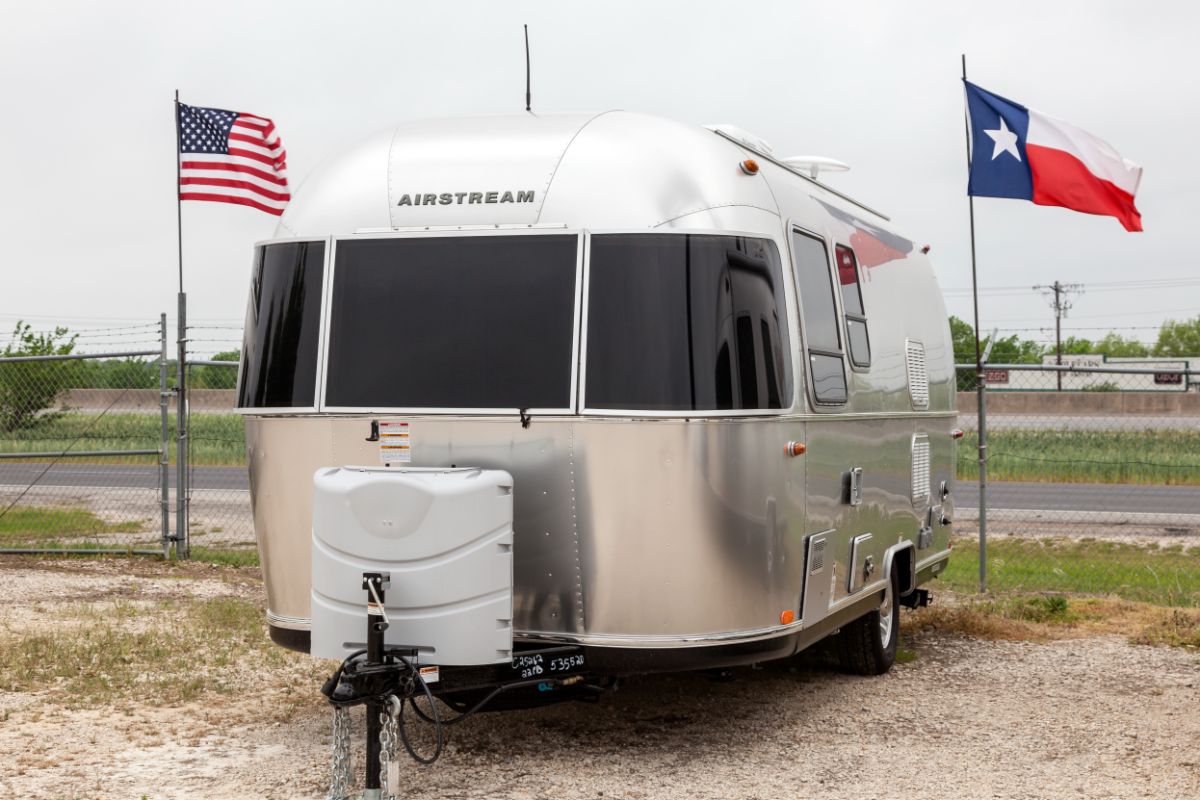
861 647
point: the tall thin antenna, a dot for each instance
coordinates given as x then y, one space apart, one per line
528 102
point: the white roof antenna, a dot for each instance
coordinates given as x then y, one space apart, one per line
814 165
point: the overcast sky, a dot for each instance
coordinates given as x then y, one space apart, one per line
87 168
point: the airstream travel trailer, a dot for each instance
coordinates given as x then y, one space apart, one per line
674 403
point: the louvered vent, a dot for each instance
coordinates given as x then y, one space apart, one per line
918 375
920 468
816 560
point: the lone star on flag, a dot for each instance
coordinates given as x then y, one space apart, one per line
1005 141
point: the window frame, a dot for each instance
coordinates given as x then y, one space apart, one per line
819 406
788 404
318 384
848 317
327 318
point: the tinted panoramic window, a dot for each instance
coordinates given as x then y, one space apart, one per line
682 322
453 322
279 348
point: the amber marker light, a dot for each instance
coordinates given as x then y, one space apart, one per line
794 449
749 166
787 617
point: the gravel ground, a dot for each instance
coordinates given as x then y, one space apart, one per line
1078 718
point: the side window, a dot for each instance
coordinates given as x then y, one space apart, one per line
859 343
818 312
686 322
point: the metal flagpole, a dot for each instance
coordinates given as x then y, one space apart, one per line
980 375
181 433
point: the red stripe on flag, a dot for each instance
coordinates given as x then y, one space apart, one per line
1060 179
216 165
235 151
232 184
245 123
224 198
254 140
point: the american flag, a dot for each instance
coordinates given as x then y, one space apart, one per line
230 157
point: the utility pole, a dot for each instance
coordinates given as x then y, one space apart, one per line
1060 304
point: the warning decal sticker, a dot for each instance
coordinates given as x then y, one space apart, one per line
395 443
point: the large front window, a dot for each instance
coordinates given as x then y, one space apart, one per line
470 322
686 322
283 317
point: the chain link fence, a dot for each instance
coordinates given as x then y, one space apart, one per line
1093 481
84 440
1093 472
218 486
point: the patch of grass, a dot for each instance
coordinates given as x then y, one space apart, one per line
905 656
1157 457
1168 576
36 524
245 557
217 439
1042 617
1040 608
1180 628
173 652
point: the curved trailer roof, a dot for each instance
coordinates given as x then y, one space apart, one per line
613 170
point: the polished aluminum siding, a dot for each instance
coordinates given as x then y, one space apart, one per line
637 530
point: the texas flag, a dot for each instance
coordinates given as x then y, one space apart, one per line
1017 152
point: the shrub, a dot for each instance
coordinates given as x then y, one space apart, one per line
27 389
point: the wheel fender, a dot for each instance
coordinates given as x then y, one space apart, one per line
906 552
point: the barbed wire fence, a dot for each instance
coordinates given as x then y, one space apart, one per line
1093 470
1093 480
84 444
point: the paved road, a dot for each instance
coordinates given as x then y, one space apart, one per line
138 476
1082 497
1004 494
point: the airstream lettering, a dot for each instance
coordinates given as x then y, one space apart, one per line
698 415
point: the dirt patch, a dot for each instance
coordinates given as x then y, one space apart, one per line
1088 716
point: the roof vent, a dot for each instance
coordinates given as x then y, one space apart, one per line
815 165
755 143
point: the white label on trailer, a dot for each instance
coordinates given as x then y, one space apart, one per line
430 674
395 443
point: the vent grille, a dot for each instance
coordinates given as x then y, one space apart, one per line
920 467
918 374
816 557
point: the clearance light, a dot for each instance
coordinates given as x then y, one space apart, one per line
787 617
793 449
956 433
749 166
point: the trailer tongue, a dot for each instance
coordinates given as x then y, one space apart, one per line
430 553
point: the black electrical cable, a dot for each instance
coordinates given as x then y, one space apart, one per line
437 721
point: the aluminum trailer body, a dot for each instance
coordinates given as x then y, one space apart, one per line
724 391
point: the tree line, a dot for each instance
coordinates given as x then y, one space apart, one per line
1176 339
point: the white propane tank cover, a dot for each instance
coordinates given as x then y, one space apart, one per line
446 538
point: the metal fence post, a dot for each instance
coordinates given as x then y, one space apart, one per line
982 434
181 435
164 459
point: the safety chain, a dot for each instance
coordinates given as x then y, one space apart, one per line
339 784
388 727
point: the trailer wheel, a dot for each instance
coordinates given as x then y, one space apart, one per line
867 646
